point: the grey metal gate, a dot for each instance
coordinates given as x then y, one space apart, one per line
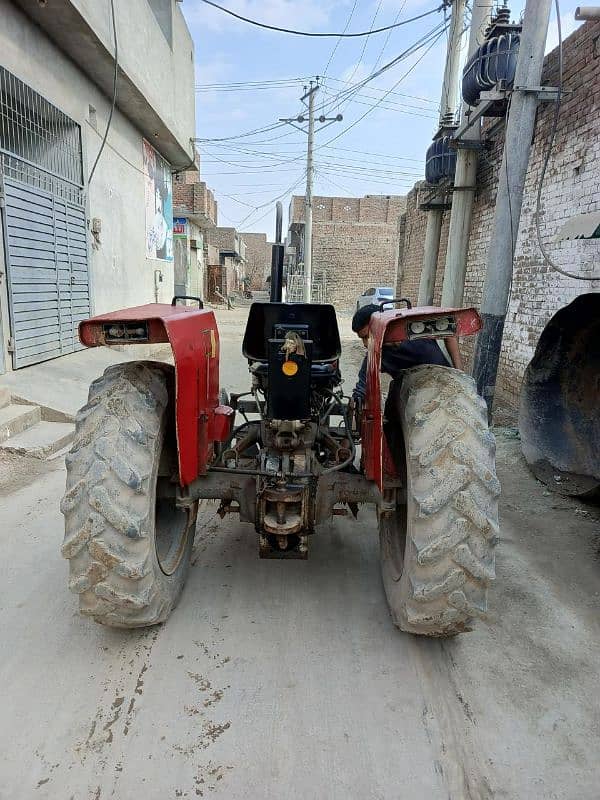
47 272
44 223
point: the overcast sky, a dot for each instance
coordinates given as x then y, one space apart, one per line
380 154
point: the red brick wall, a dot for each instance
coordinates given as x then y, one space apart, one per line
571 187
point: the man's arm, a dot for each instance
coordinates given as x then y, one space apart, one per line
360 390
454 352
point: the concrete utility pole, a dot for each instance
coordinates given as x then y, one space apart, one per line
308 200
448 106
308 196
465 177
517 145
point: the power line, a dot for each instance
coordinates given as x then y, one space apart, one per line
320 34
415 47
270 202
241 149
347 93
397 94
250 86
114 93
264 129
364 47
370 110
337 44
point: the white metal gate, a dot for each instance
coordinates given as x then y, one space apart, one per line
44 224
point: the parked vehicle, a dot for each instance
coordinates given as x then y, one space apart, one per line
375 295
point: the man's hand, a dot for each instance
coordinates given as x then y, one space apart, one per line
454 352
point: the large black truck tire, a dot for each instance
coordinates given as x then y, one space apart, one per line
127 543
437 550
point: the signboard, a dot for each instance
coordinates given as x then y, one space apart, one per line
158 197
179 227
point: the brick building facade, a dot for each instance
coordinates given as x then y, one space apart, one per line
194 213
355 242
258 259
571 188
226 274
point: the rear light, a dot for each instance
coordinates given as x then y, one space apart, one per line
417 327
125 331
289 368
434 327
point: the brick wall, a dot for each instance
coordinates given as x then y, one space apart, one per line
223 239
192 196
258 258
571 187
355 241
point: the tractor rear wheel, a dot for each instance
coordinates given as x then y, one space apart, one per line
128 544
437 550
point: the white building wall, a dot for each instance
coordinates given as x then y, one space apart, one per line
163 72
120 273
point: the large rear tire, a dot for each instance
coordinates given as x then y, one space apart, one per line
437 551
128 545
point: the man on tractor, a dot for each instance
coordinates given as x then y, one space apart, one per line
401 356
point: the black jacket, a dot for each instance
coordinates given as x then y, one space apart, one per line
396 357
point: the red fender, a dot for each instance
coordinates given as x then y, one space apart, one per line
194 339
389 327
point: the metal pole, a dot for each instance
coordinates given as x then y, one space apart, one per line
447 111
308 200
464 182
430 256
517 145
450 83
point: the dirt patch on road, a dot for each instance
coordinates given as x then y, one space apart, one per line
18 471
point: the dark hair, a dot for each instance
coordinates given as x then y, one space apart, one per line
362 316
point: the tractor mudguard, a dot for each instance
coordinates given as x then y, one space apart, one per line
194 339
392 327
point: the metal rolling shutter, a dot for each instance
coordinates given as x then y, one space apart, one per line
48 285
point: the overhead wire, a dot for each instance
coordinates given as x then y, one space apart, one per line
344 94
337 44
411 50
400 94
370 110
272 201
114 93
364 47
319 33
351 171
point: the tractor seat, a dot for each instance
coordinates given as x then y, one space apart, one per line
320 373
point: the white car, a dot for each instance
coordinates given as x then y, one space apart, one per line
375 295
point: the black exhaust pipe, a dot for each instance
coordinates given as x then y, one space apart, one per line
277 252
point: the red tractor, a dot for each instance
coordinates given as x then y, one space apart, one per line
154 440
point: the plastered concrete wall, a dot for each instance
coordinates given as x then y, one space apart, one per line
120 273
571 187
164 73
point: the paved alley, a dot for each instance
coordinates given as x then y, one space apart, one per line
287 679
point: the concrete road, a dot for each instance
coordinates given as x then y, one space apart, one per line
287 679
